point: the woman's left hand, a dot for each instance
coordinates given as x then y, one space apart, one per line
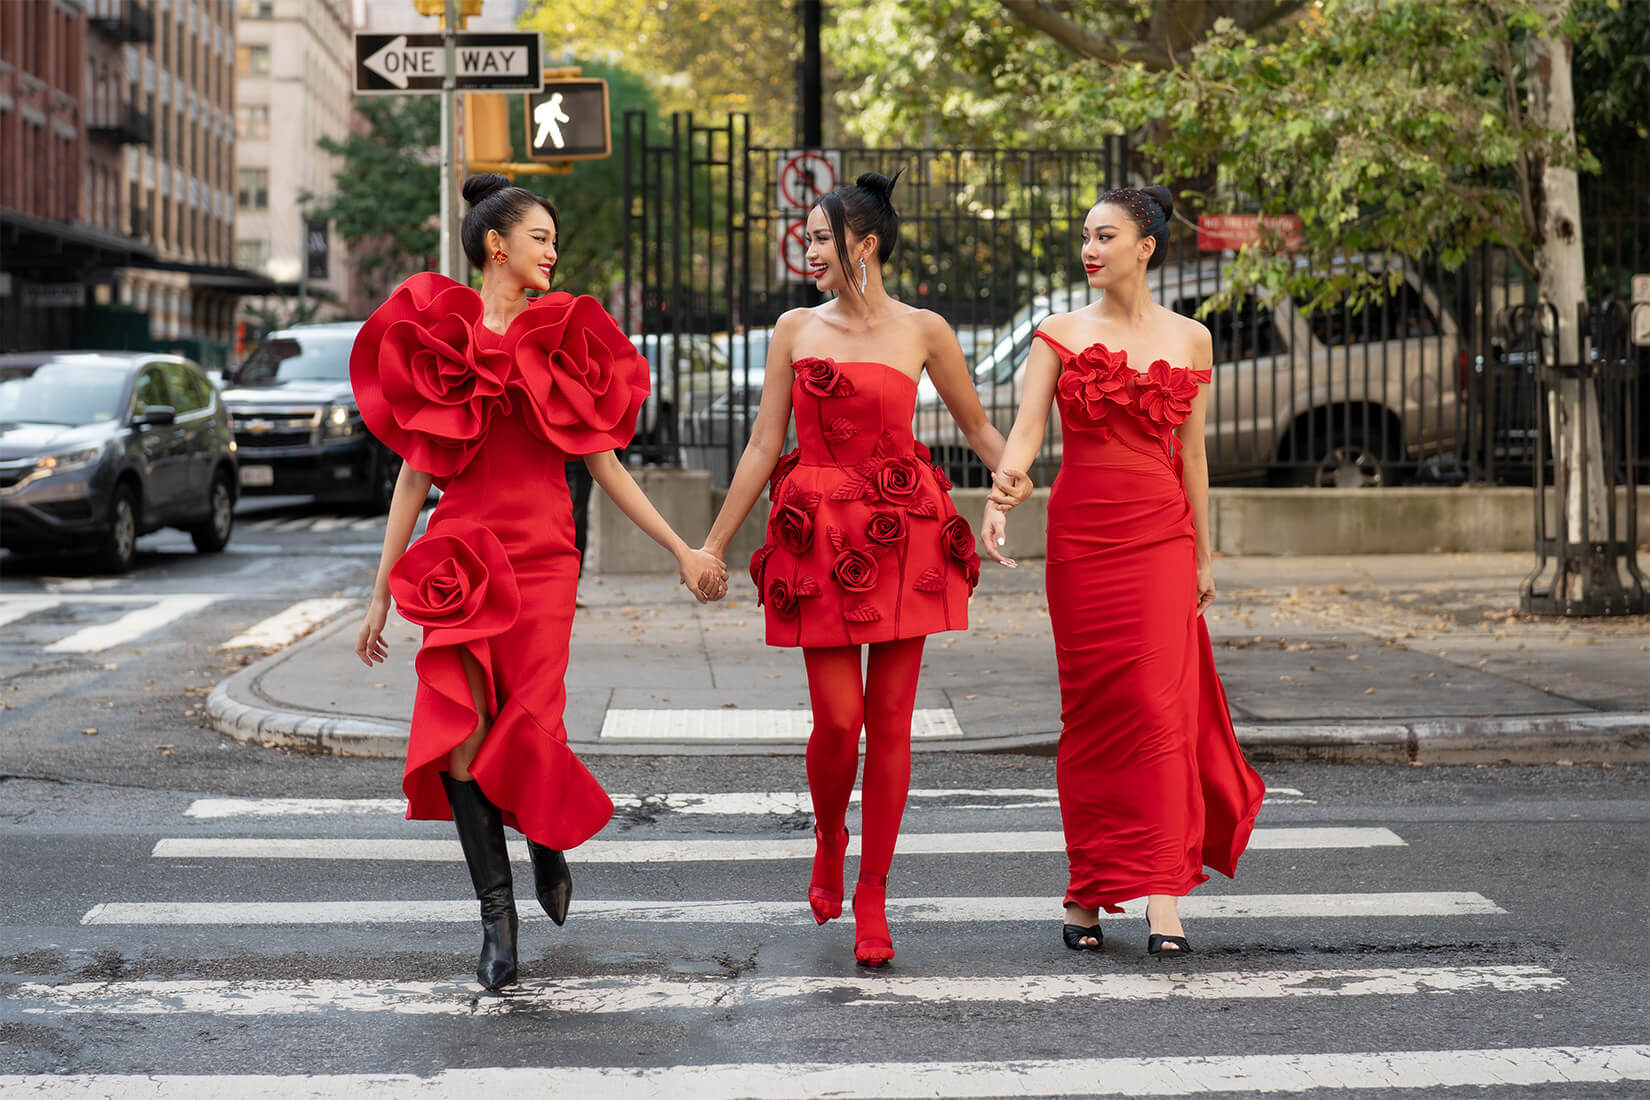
705 575
1205 586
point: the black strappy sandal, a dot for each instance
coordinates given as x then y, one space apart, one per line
1075 934
1155 942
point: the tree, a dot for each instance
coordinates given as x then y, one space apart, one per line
708 56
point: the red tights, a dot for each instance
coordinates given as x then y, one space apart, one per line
880 703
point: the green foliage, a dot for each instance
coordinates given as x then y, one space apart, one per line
387 193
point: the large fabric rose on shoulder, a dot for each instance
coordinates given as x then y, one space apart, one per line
426 389
1090 380
823 378
581 379
1167 394
958 539
458 582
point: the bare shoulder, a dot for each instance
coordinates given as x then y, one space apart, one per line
1189 333
1060 325
931 324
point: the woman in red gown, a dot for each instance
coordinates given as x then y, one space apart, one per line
487 395
1152 784
864 550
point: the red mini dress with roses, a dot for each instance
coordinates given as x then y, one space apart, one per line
863 543
1153 786
494 418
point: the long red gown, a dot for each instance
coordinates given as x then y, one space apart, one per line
1153 786
494 418
863 543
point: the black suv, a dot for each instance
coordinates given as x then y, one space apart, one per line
297 425
97 448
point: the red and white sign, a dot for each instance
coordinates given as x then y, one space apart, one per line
804 175
1217 232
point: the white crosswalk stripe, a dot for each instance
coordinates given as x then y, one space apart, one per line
126 618
132 625
287 626
737 829
1179 1076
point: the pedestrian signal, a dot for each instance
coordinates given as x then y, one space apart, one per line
569 120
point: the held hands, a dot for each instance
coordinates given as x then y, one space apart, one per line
369 644
1009 488
704 574
1205 586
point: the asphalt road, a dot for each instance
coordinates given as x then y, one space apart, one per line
209 910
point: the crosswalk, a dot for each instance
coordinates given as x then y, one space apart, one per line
97 622
348 870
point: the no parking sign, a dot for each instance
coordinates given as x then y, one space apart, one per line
804 175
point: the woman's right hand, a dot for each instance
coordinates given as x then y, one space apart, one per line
1009 488
993 532
705 575
369 644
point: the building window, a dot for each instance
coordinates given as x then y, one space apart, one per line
253 188
257 9
251 255
252 60
252 122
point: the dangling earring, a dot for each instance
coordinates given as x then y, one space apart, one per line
862 276
499 256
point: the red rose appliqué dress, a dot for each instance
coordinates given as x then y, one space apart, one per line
493 418
863 543
1153 786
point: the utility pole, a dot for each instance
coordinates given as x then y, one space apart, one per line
809 85
449 84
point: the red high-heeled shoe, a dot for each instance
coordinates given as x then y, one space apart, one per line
873 945
822 899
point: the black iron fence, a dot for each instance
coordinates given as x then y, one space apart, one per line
1433 383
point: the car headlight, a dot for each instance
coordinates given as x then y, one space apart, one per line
51 465
341 422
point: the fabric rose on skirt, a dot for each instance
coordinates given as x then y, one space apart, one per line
425 388
886 528
855 571
582 379
792 526
458 583
958 539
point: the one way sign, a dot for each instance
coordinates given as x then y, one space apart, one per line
417 63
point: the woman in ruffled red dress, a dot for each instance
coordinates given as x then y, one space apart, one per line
487 395
1153 786
865 555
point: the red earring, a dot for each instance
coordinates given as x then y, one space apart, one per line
499 256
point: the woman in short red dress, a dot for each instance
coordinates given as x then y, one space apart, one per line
487 395
864 551
1153 787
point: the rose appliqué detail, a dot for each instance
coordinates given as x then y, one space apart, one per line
958 539
458 582
854 571
886 528
1166 395
582 380
823 378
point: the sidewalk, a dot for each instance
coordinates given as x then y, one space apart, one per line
1375 658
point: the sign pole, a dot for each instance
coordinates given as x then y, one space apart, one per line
449 204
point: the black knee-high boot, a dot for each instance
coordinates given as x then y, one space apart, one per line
481 835
552 880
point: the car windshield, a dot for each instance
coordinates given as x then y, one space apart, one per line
311 358
998 365
63 393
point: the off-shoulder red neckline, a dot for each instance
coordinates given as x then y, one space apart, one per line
1121 355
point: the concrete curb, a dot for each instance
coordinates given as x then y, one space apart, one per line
237 707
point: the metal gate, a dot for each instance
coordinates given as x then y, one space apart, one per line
1424 385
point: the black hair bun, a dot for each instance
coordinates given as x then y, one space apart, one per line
483 184
1163 196
879 185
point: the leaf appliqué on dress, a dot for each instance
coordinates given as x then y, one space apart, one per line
861 612
931 580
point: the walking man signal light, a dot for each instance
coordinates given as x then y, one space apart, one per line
569 120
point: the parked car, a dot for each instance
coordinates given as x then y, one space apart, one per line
724 401
1344 397
97 448
297 425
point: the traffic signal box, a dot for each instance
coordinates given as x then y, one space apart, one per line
569 120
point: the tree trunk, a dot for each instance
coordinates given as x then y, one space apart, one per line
1578 459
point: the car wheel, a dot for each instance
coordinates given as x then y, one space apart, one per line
118 549
385 472
213 535
1352 463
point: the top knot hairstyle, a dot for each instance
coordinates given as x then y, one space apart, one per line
496 204
865 208
1149 208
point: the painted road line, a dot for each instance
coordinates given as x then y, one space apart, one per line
302 523
732 803
330 523
708 851
927 724
1503 1068
940 910
288 626
17 607
130 626
646 994
371 523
